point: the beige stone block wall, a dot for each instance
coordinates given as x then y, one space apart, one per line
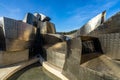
110 44
7 58
1 58
56 54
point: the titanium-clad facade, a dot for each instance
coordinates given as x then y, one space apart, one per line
47 27
112 25
91 25
40 21
18 35
109 35
95 65
106 31
20 39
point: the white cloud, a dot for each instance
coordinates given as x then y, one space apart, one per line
81 15
9 9
11 12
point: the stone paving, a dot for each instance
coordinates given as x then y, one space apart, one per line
6 72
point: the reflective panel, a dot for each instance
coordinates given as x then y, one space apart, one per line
91 25
17 34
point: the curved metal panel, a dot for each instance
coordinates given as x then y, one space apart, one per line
18 35
91 25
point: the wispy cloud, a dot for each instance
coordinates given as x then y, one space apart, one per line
110 4
9 9
81 15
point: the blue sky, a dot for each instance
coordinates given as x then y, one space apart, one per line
67 15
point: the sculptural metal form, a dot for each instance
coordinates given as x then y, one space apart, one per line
18 38
93 52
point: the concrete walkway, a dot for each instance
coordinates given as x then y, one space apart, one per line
10 70
53 69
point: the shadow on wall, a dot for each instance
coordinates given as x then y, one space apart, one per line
91 48
37 46
68 48
2 40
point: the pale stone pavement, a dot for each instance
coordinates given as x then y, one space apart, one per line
6 72
53 69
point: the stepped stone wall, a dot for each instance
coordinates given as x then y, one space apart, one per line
8 58
56 54
55 49
111 45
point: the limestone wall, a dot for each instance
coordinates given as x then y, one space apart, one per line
56 54
7 58
74 70
111 45
73 58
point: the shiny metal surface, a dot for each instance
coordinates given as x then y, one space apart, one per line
47 27
91 25
18 30
30 19
17 34
40 21
112 25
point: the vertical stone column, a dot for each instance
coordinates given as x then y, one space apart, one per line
73 58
